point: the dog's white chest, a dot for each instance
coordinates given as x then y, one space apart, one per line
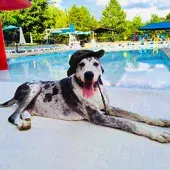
95 100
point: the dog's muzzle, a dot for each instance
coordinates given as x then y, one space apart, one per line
88 76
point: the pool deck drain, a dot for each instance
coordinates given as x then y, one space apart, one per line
54 144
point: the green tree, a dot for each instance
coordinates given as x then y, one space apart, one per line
156 18
56 18
93 23
81 18
50 14
9 18
167 17
114 17
32 19
129 30
132 26
61 19
137 22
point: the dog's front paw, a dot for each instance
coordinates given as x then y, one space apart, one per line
160 122
165 122
24 124
162 137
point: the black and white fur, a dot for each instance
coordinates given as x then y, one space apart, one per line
64 100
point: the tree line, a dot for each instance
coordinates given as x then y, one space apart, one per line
43 14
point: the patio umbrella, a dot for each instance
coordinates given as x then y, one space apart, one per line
9 5
12 29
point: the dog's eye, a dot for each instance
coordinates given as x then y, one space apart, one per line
96 64
82 64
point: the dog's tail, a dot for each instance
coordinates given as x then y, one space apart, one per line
8 103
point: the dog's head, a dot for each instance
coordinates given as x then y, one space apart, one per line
87 69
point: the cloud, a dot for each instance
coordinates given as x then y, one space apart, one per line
163 4
143 8
89 1
57 3
127 4
130 4
145 14
102 2
144 4
137 5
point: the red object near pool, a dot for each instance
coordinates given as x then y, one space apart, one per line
3 60
8 5
14 4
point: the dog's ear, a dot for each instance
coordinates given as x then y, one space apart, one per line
102 69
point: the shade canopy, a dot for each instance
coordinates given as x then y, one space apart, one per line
10 27
69 30
60 31
102 30
14 4
81 33
156 26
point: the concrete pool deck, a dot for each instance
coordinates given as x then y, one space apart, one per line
54 144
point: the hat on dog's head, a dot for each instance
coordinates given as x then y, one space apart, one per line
79 55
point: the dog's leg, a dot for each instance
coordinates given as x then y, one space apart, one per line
113 111
15 118
99 118
26 116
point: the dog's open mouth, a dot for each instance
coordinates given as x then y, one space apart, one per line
88 89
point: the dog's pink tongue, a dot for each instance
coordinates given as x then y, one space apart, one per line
88 90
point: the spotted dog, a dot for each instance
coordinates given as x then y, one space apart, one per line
80 96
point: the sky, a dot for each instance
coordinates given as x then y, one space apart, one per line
143 8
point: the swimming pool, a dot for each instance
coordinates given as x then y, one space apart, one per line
129 69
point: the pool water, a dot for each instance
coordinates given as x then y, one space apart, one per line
130 69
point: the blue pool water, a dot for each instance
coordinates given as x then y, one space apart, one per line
131 69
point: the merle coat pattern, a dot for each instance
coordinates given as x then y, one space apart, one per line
64 100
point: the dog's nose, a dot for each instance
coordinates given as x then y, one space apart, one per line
88 76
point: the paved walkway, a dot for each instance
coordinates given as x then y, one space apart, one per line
60 145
